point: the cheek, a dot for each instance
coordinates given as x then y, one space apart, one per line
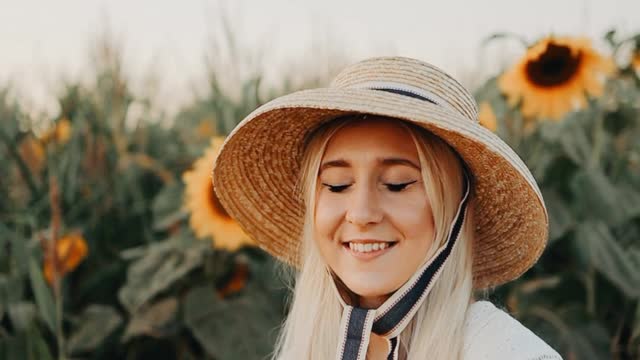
412 216
328 214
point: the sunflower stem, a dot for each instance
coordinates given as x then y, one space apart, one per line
598 141
56 223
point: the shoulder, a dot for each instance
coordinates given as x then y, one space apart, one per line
491 333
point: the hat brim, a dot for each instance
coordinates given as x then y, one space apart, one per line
257 171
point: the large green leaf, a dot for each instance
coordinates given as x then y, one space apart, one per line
26 345
574 139
22 315
242 326
43 295
19 254
238 328
96 323
11 288
570 332
158 319
159 266
588 342
560 217
167 206
597 198
608 257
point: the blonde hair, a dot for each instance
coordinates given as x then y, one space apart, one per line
311 328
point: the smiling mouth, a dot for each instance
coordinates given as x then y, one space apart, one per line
368 247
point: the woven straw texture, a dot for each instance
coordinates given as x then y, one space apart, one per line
256 172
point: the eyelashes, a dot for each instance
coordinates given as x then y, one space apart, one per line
390 187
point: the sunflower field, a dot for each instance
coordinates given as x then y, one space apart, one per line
114 246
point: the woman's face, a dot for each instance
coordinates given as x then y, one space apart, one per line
371 196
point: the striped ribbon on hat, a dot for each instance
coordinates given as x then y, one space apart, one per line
396 312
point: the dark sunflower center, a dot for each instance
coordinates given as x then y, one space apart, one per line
216 205
555 66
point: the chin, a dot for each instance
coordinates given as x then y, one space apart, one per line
369 287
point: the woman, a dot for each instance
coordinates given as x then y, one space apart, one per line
393 204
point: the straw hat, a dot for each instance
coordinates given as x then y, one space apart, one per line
256 172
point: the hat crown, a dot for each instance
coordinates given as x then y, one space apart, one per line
411 75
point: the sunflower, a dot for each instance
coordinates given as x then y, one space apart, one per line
33 154
205 129
70 250
554 76
60 133
208 217
487 117
635 61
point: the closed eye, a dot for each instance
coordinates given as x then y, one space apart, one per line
399 187
391 187
336 188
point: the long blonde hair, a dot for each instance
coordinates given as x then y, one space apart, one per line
311 328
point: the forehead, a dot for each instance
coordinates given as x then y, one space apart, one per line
373 137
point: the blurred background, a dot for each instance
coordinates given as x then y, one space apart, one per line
113 245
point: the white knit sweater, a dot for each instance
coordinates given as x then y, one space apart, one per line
492 334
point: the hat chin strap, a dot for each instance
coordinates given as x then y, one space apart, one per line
388 320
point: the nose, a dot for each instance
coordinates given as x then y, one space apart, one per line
363 207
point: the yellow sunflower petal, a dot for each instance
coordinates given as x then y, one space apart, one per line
63 131
70 250
487 117
208 218
635 62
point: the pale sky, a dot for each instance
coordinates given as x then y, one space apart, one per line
42 41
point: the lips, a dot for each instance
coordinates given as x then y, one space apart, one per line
367 255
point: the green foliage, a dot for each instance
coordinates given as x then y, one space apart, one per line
149 289
583 295
120 186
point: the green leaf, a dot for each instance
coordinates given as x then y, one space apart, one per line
597 198
590 342
4 291
608 257
160 266
241 327
26 345
635 334
167 206
156 320
97 322
22 315
11 289
43 295
568 330
574 139
561 219
19 254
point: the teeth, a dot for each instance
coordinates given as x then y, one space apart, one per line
368 247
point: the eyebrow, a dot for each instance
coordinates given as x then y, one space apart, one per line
386 161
